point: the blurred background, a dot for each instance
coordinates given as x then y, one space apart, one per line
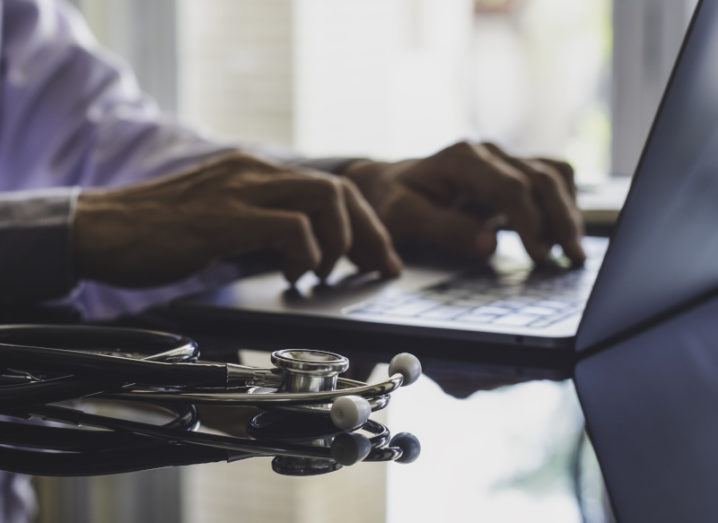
398 78
392 79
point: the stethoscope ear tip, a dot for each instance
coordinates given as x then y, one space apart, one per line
409 445
350 448
407 365
350 412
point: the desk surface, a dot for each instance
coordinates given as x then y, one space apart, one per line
501 455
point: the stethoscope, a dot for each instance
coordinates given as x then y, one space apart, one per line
310 419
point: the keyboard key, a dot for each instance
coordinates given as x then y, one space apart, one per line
506 304
444 312
438 294
412 308
538 311
472 302
370 308
494 311
542 322
477 318
515 320
391 300
552 304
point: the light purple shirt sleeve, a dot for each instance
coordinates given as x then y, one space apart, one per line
71 116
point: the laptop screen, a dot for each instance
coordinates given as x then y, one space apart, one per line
664 251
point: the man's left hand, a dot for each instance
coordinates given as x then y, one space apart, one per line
455 200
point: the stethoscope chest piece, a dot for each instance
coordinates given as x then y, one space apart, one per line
309 370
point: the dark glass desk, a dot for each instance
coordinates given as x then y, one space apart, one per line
507 454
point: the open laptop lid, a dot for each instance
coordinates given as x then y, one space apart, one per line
664 252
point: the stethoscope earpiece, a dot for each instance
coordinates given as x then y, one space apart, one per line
407 365
350 412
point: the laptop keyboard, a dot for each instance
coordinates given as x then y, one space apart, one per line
521 299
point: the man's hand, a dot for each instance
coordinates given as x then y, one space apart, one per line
167 228
455 199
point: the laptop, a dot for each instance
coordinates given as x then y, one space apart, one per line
663 255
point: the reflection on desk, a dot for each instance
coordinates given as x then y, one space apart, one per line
505 455
502 455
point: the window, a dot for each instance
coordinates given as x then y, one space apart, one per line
648 34
395 78
401 78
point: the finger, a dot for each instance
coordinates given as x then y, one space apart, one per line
288 233
450 230
322 199
554 201
372 248
525 217
563 216
486 179
566 171
332 226
513 198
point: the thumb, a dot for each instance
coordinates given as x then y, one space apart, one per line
414 218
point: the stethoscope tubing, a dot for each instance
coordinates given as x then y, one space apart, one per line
48 437
114 461
203 439
114 368
130 453
165 358
49 391
345 387
63 439
172 434
94 338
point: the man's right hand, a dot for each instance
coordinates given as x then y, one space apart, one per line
167 228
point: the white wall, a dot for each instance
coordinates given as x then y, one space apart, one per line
380 76
328 76
237 73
